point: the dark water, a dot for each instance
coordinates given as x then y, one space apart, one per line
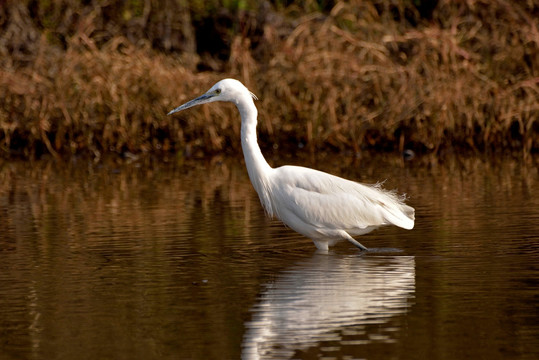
138 261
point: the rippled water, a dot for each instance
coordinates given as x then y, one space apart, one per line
153 261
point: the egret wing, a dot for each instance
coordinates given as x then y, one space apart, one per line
326 201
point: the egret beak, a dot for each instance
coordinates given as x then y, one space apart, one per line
202 99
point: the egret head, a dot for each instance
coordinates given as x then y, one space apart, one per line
224 90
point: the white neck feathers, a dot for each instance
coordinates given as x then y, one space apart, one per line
257 167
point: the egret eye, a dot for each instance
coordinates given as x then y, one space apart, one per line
217 91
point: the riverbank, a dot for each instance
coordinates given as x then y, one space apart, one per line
99 79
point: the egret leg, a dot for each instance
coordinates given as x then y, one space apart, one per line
356 243
321 245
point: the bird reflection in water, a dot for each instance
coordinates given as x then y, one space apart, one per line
324 297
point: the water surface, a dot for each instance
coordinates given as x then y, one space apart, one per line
157 261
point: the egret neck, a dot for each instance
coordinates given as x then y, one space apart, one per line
257 166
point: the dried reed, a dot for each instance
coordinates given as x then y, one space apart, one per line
364 75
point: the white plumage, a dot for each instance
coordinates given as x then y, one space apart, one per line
323 207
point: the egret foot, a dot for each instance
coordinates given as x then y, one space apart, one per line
385 250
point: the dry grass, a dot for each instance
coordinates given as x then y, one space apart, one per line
378 83
356 78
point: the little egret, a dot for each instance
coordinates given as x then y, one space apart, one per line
320 206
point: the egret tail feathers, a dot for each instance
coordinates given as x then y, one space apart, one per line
403 217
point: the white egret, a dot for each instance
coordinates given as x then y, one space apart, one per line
320 206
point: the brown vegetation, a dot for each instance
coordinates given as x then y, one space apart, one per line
95 79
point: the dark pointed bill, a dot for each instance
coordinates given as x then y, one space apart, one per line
202 99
